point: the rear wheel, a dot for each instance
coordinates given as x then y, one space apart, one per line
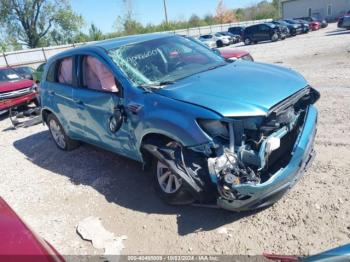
58 134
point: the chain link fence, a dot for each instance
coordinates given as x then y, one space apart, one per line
33 57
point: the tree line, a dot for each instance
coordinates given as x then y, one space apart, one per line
39 23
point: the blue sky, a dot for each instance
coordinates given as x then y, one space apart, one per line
103 13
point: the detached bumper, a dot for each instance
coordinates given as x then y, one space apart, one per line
7 103
269 192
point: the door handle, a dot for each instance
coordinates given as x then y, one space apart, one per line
51 92
78 101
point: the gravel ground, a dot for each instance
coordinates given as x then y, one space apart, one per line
54 190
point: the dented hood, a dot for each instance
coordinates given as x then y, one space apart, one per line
238 89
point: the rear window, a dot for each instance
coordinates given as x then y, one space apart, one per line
8 75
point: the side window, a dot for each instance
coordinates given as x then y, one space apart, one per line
51 73
263 28
65 71
97 76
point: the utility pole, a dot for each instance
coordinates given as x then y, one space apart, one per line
165 11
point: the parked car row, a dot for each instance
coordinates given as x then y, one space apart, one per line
272 31
279 29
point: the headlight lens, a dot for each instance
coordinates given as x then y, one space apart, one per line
233 58
214 128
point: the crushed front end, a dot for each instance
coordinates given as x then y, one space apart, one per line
254 161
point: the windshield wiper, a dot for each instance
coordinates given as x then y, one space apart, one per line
214 67
156 85
164 83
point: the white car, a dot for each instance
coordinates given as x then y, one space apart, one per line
211 43
216 40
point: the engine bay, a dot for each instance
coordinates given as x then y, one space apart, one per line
252 149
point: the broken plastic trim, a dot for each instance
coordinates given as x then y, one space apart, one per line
27 118
168 158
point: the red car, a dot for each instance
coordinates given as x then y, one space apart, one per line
18 243
14 90
314 25
230 53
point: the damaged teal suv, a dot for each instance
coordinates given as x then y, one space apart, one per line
236 134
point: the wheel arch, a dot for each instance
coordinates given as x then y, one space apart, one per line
45 112
154 138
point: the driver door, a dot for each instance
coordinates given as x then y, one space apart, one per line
99 106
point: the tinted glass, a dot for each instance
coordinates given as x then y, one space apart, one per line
51 73
24 70
41 67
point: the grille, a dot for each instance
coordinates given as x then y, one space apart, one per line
16 93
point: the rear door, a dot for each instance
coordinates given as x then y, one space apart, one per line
59 84
264 32
98 99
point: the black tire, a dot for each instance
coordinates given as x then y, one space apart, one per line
219 43
180 196
247 41
63 142
274 37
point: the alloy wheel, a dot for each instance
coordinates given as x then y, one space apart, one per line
57 133
169 182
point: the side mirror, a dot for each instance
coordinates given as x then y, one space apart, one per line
117 119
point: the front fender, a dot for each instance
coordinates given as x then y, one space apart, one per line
174 119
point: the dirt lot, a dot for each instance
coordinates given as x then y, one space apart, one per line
54 190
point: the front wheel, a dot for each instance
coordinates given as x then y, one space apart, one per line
170 186
58 134
274 37
247 41
219 44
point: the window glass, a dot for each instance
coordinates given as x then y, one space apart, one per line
41 67
51 73
263 28
164 60
65 71
97 76
8 75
